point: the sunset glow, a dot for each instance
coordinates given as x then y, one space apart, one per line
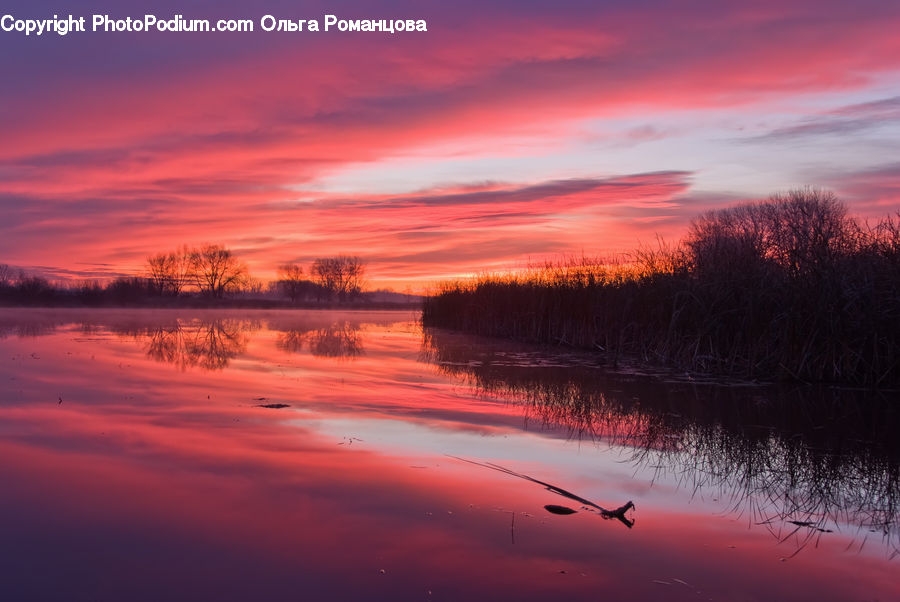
508 132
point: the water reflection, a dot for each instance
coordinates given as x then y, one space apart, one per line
40 324
207 340
802 462
341 339
126 479
207 345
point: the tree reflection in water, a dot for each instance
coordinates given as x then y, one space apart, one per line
209 345
341 339
212 344
800 461
207 340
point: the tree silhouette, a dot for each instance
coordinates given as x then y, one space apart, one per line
216 270
170 272
293 283
341 275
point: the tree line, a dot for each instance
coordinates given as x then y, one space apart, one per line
207 273
215 271
341 276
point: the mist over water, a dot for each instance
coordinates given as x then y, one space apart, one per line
236 455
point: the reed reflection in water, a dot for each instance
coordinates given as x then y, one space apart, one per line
801 462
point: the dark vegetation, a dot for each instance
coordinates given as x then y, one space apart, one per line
799 460
791 288
205 276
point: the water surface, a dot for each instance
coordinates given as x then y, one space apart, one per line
175 455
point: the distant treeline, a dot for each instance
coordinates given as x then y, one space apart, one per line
789 288
205 276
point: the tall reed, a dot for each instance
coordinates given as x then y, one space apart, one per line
788 288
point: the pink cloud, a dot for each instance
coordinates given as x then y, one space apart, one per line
109 168
875 191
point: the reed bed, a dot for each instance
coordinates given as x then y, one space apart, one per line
791 288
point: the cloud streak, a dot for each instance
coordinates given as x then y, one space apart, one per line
844 121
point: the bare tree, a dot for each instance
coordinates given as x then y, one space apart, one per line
800 232
216 270
252 286
809 228
291 281
170 272
182 269
156 271
341 275
159 272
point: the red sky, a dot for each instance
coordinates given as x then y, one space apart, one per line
508 132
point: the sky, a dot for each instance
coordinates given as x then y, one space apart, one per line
508 133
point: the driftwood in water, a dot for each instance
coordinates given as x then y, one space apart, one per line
618 513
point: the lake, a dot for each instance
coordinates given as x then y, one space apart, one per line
282 455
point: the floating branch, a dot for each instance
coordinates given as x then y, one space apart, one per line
618 513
